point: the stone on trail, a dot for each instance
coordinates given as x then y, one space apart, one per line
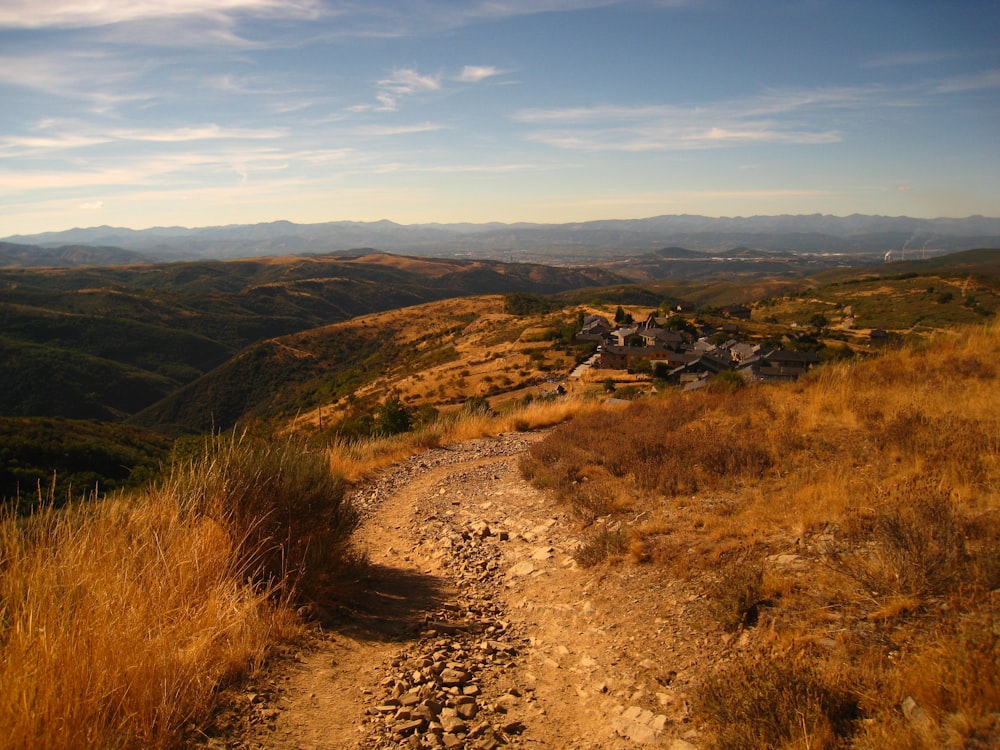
453 677
639 725
523 568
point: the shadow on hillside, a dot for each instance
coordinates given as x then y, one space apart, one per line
388 604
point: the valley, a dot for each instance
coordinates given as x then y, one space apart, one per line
427 526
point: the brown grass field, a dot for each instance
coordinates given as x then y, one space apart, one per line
849 522
845 528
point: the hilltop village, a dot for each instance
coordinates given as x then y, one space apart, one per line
675 351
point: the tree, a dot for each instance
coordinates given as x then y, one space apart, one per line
640 366
622 317
392 417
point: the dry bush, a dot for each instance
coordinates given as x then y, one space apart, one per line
737 591
599 545
121 618
910 542
358 459
666 446
947 695
771 701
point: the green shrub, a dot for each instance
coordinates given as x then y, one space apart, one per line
392 417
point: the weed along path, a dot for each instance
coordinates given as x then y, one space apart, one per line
474 628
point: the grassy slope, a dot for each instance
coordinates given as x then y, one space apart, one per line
437 354
426 355
848 525
122 619
796 462
150 329
712 486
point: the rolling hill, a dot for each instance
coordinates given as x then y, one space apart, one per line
107 342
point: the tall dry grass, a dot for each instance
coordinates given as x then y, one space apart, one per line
881 479
357 459
119 619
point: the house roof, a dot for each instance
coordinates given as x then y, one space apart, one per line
782 355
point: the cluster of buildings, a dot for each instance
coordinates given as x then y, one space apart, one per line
686 358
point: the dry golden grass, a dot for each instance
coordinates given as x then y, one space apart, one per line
857 512
119 619
356 459
119 622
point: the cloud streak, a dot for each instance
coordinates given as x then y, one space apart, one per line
382 131
665 128
31 14
403 83
477 73
775 116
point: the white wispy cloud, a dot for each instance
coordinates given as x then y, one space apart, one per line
22 145
379 18
774 116
50 137
407 82
391 167
391 130
88 13
86 74
196 133
660 128
977 81
477 73
400 83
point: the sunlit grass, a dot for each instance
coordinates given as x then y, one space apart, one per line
880 479
357 459
120 619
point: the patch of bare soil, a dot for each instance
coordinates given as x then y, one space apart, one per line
475 628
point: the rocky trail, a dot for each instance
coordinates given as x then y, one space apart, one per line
475 628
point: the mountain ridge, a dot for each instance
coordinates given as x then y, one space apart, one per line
812 233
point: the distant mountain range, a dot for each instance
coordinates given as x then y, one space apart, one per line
553 243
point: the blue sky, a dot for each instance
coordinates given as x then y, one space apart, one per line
144 113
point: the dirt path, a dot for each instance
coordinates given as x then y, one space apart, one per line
475 628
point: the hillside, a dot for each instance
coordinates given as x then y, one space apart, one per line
58 459
811 564
440 354
108 342
792 566
16 255
436 354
